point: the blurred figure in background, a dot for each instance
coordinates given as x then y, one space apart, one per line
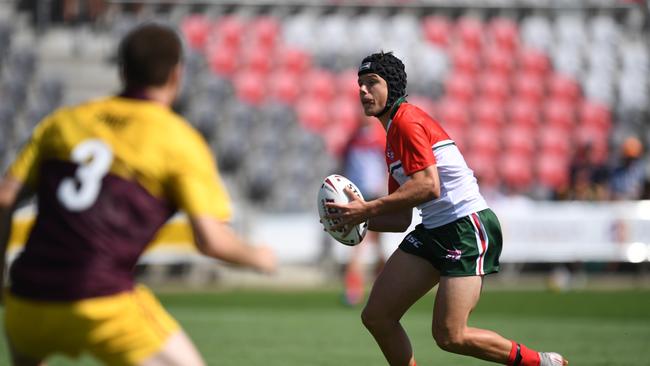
587 178
628 176
107 174
365 165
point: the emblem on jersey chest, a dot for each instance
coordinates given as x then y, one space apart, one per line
389 153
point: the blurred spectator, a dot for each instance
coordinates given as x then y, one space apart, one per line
628 177
587 177
365 165
62 11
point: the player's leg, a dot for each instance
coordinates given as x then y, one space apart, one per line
455 299
404 280
178 351
353 278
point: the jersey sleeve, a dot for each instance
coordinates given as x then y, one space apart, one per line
414 147
195 184
25 167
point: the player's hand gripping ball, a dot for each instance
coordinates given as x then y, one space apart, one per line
332 190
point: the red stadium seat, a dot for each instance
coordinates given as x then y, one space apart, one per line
257 59
465 60
564 87
452 112
250 87
505 33
455 133
523 113
529 87
484 167
494 87
347 84
483 140
595 114
554 141
196 29
319 83
519 141
488 113
345 114
469 31
264 31
312 114
284 87
516 172
533 61
460 86
223 61
559 113
437 30
552 172
229 30
498 61
293 60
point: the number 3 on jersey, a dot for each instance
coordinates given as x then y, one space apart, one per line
80 192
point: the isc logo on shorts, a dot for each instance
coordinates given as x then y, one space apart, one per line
413 241
453 254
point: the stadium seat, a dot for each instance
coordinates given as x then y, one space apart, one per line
522 112
437 30
345 114
312 114
560 114
493 86
529 87
424 103
223 61
460 86
319 83
484 168
552 172
250 87
515 172
595 114
498 61
536 31
519 141
563 87
533 61
257 59
229 30
465 60
469 31
293 60
196 29
554 141
489 113
264 31
452 112
483 140
284 87
347 85
504 33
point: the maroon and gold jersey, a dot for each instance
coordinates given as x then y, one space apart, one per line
107 174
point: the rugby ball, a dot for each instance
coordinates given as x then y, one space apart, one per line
332 190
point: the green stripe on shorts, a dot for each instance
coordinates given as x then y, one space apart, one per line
469 246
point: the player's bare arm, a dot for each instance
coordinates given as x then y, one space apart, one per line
423 186
217 239
395 222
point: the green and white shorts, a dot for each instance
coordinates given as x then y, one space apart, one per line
469 246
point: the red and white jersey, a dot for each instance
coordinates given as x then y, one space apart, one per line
416 141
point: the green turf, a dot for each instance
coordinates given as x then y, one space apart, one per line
311 328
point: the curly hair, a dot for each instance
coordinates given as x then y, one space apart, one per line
389 68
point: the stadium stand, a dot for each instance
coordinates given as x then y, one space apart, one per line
523 85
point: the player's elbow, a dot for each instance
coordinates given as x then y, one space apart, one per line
432 191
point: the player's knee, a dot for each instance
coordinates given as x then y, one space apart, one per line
373 320
448 339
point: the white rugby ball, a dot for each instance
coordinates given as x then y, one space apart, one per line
332 190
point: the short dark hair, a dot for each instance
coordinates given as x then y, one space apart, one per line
148 54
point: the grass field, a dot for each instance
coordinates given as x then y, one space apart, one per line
271 328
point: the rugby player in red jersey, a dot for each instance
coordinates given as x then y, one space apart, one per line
455 246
